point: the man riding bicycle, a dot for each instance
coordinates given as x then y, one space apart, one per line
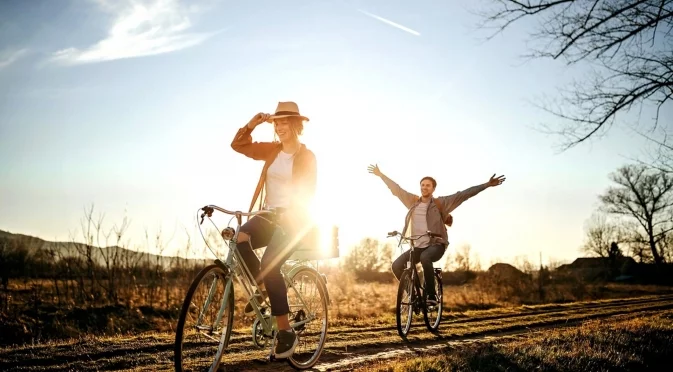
426 213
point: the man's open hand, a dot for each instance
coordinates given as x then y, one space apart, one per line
496 181
374 169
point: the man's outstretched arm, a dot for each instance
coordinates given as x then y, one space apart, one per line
452 202
407 198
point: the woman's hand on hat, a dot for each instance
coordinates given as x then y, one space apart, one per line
259 119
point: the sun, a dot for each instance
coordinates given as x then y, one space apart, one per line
326 221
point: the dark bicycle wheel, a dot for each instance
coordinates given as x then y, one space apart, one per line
405 304
204 325
433 315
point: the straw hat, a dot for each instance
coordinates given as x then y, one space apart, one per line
287 109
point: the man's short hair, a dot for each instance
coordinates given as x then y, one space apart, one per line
434 183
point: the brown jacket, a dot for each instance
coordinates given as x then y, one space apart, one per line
434 218
304 170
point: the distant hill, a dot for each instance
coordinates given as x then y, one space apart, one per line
98 254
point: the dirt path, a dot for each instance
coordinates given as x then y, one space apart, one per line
346 346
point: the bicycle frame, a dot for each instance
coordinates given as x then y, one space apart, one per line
411 264
415 277
416 294
234 264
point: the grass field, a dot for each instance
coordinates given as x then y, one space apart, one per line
620 344
34 318
362 344
39 333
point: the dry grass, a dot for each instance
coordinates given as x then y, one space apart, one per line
637 344
153 351
36 316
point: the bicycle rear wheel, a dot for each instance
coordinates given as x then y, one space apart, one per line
405 304
433 315
312 333
205 321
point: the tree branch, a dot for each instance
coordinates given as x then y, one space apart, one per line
613 34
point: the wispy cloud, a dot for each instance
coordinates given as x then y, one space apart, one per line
140 28
9 56
387 21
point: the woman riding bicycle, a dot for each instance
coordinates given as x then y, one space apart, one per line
288 179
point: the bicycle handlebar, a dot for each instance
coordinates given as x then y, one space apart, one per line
412 238
209 209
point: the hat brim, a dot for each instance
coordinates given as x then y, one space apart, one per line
273 117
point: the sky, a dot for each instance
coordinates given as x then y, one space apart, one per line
131 106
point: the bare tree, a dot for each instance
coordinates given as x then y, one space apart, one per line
448 263
120 248
637 242
629 40
660 154
110 256
385 257
12 260
665 248
600 234
462 258
364 257
88 252
646 196
52 252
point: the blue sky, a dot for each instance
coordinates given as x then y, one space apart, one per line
131 106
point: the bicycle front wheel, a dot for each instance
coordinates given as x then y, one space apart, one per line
405 304
205 321
308 316
433 315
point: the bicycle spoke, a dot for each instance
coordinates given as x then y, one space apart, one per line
308 316
205 321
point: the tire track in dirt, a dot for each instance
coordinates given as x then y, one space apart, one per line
336 357
428 348
348 360
448 320
344 344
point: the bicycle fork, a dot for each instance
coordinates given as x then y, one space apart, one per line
211 293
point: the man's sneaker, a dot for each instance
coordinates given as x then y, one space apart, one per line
432 300
286 341
248 311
